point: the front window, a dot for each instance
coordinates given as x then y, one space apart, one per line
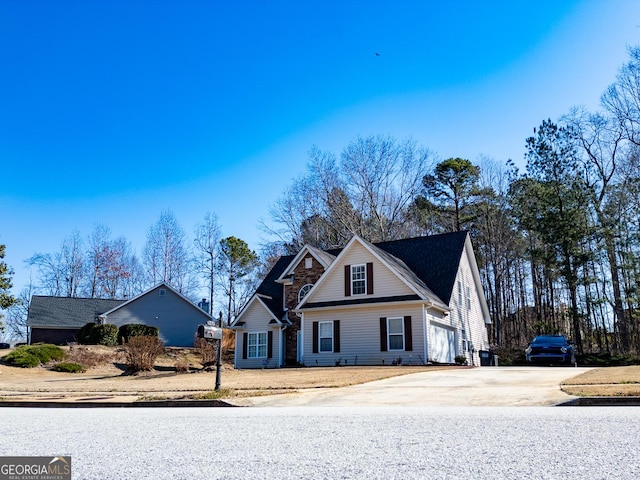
257 345
358 279
395 329
326 336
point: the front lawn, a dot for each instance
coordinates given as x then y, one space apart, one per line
605 382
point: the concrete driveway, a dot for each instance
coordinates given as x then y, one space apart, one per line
488 386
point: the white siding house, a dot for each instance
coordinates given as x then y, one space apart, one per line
410 301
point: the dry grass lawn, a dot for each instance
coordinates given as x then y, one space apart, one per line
605 382
108 379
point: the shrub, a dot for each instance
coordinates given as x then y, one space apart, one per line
141 352
127 332
182 366
69 367
20 357
88 358
207 350
105 334
98 334
28 356
84 335
460 360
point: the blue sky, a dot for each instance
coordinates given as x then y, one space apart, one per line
112 111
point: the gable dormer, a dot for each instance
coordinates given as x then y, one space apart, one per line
302 274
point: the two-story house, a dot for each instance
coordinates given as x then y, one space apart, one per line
410 301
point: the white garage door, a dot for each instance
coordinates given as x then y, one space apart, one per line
442 346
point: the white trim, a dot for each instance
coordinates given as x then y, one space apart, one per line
468 248
256 297
373 250
320 337
302 343
425 320
363 266
298 258
310 285
389 349
257 345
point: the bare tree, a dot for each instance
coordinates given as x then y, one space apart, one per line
18 312
622 98
368 192
166 257
207 240
62 273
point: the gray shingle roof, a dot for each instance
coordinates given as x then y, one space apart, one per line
67 312
430 263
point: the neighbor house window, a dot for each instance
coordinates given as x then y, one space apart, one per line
358 279
162 292
303 291
468 291
395 332
325 336
257 345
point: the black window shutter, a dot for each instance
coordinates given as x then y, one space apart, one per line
270 344
369 278
408 337
315 337
245 341
383 334
336 336
347 280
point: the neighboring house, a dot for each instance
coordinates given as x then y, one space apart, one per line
58 319
410 301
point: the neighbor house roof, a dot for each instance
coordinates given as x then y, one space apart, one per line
67 312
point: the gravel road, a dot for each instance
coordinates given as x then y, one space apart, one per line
331 443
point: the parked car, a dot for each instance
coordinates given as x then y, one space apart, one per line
551 349
4 346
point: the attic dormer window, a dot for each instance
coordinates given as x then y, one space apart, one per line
162 292
303 291
358 279
308 262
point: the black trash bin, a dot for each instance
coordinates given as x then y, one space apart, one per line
486 358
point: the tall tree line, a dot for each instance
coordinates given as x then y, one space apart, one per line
100 265
558 244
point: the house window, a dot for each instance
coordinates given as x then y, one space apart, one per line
459 293
257 345
464 340
358 279
395 332
303 291
308 262
468 291
162 292
325 336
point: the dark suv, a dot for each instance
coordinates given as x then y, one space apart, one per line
550 349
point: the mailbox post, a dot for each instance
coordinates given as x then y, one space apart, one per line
211 333
219 362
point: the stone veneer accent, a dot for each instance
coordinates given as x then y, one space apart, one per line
301 277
